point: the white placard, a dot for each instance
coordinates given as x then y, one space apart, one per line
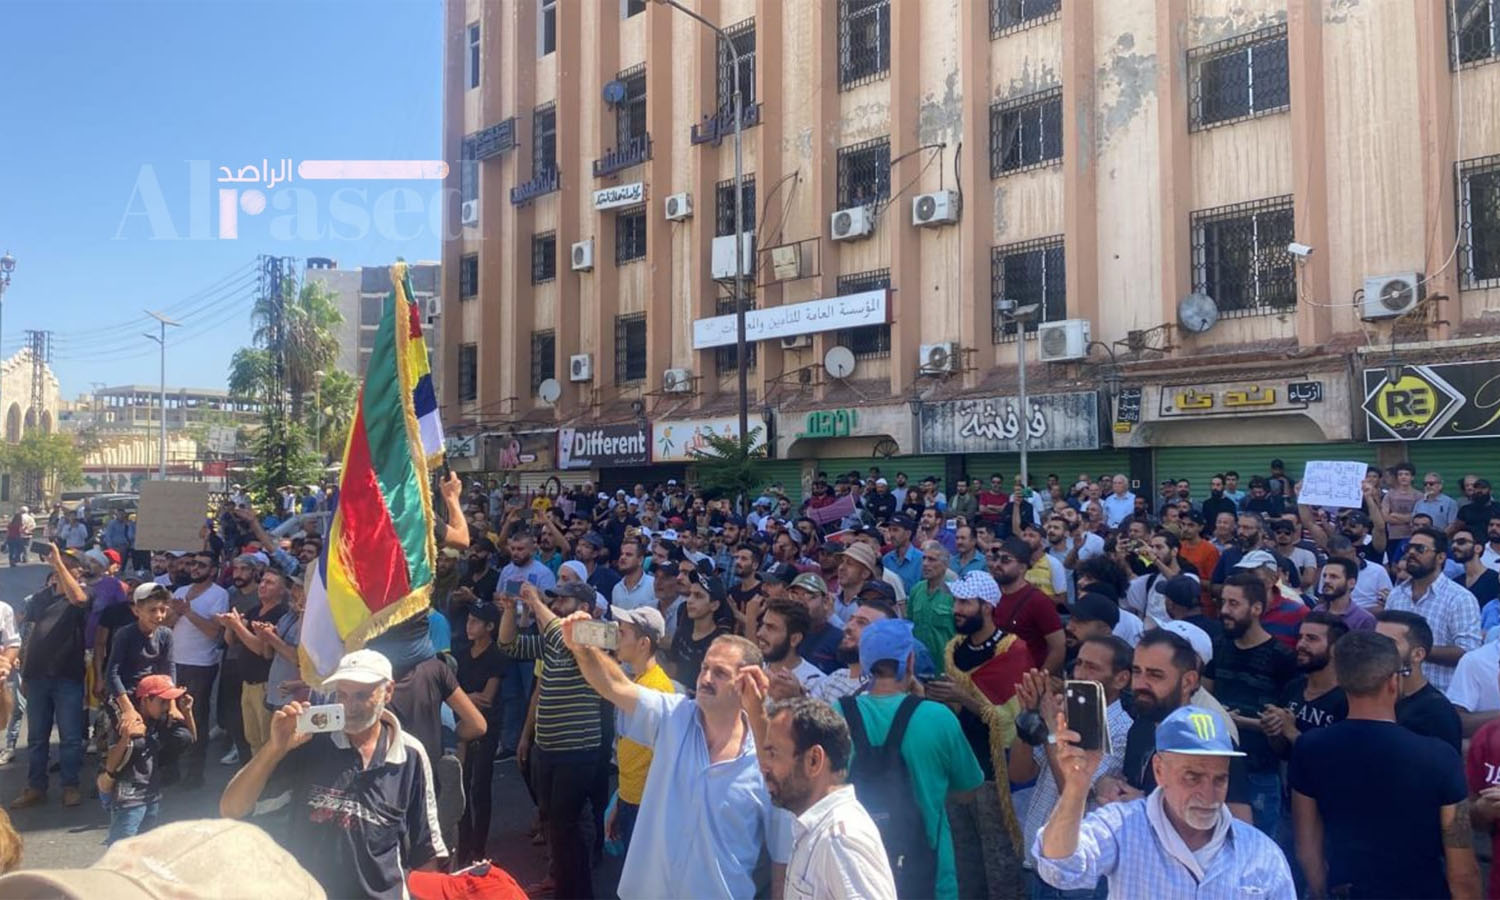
170 515
792 320
1333 483
620 195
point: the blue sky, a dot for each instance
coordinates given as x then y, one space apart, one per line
106 103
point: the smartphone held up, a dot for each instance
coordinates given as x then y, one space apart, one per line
1085 709
326 718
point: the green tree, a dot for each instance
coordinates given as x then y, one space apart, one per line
40 460
250 374
731 466
309 340
281 458
337 396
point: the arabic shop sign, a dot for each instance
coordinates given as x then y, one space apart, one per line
492 141
527 451
602 446
830 423
993 424
681 440
1127 409
1239 398
620 195
795 319
458 446
1447 401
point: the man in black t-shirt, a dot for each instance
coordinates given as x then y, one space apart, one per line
52 679
1313 699
1421 707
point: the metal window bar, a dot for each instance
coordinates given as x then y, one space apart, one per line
864 41
547 27
867 341
1479 222
724 205
630 348
1025 273
543 257
864 173
1239 78
727 358
468 372
543 138
630 115
468 276
1026 132
543 358
1240 257
472 60
630 234
742 34
1474 37
1007 16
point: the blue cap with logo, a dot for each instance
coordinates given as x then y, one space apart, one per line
1195 731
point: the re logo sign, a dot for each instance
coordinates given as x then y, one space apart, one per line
1410 401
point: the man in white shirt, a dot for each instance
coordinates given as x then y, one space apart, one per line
836 851
783 627
1475 689
1119 504
197 651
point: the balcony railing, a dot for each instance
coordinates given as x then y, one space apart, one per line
720 125
544 182
631 153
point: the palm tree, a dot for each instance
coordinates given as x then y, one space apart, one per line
250 375
309 342
337 395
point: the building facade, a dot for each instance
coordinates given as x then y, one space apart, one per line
361 294
1218 215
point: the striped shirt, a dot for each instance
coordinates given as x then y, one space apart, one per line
567 709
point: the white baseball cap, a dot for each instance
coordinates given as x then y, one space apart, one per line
1203 645
362 667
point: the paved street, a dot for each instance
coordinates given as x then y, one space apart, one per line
56 837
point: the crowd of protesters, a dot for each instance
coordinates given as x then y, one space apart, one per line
856 695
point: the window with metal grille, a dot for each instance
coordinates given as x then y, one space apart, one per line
1013 15
1475 34
543 138
724 205
1479 221
543 257
468 171
1026 273
546 27
864 173
468 276
471 62
1239 78
1240 257
1025 132
543 358
864 41
867 341
727 359
634 7
630 348
468 372
630 114
742 34
630 234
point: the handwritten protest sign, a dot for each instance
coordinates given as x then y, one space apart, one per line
1333 483
170 515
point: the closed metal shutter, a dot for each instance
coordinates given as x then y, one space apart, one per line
786 471
1199 464
1454 459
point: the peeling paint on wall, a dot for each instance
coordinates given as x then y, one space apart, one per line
865 121
999 213
1034 77
1127 79
1208 29
800 143
1338 11
940 120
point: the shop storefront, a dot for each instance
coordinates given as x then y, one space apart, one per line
610 456
1446 414
462 453
852 439
1064 435
675 443
522 458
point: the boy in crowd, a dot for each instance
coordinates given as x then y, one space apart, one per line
130 785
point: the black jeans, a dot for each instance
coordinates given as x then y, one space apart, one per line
199 681
479 775
564 781
230 719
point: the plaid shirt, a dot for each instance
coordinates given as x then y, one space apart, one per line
1044 797
1453 615
1118 843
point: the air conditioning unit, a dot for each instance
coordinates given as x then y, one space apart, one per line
940 208
583 256
796 342
852 223
679 207
1065 340
434 308
468 214
1388 296
723 255
786 262
938 359
677 381
581 367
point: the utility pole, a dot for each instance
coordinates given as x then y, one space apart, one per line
162 340
40 344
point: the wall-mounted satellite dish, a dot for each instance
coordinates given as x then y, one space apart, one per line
1197 312
549 390
839 362
614 91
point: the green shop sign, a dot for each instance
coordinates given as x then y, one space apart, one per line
830 423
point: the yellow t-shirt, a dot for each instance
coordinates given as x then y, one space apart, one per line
634 759
1039 575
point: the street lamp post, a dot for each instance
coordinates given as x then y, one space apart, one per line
7 266
162 341
739 214
1019 315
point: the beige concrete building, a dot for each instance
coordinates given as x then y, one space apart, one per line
21 413
361 294
1105 161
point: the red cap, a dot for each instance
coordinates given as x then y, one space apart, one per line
158 686
114 556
